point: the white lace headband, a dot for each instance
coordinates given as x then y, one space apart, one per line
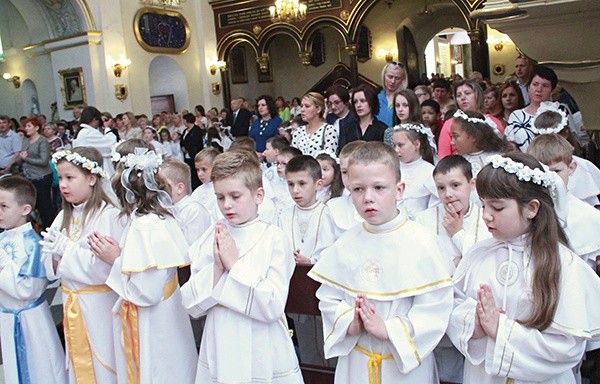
420 128
114 155
81 161
549 106
486 120
146 164
330 154
523 172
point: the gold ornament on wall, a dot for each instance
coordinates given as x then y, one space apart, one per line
344 15
257 29
121 92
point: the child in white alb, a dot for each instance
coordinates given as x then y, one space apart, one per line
87 300
241 272
31 350
414 144
308 224
383 311
148 319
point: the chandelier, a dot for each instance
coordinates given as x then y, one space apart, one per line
287 11
163 3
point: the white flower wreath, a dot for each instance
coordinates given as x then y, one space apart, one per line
420 128
328 153
81 161
523 172
549 106
486 120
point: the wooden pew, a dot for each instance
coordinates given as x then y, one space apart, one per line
303 300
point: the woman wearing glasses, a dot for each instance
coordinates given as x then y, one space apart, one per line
393 78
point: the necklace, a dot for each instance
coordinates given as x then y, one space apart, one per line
304 225
263 126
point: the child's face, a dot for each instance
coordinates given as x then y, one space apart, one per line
428 115
236 201
462 142
505 219
375 192
282 161
563 170
175 136
406 150
270 153
344 171
454 189
12 215
303 188
327 172
148 135
402 108
75 186
203 170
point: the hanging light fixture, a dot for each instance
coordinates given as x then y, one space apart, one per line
287 11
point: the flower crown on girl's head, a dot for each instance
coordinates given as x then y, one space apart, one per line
114 155
80 161
420 128
523 172
486 120
549 106
146 163
328 153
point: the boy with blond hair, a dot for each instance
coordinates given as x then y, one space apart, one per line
240 276
31 350
193 218
382 320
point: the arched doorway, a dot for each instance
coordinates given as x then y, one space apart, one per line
167 93
449 53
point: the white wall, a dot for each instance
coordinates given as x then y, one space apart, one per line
167 78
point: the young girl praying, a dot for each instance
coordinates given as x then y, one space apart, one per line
413 144
332 177
149 320
475 137
87 300
520 313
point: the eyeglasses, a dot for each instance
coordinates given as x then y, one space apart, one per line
336 103
421 94
277 164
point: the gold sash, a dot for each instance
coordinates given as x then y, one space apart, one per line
375 360
129 320
76 336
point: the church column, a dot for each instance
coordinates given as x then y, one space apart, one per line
479 53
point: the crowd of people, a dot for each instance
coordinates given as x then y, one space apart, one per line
450 226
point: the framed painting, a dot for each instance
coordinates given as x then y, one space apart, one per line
72 87
457 53
237 58
161 31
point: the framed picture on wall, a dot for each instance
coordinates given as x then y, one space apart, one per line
73 87
457 53
161 31
237 57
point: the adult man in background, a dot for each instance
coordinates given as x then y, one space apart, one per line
10 144
239 118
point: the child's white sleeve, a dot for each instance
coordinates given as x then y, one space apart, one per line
327 235
522 352
197 292
415 335
247 289
461 328
337 315
18 287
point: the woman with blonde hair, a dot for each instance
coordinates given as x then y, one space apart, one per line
316 135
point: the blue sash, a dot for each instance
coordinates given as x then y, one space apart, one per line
19 339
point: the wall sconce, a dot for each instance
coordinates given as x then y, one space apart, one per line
118 66
388 55
498 43
220 65
263 63
16 80
216 88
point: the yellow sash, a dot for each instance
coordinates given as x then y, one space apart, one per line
375 360
76 336
129 319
